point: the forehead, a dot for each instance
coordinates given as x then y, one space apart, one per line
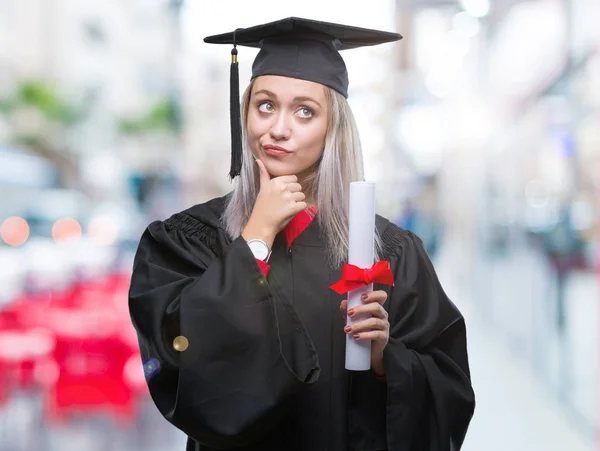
287 87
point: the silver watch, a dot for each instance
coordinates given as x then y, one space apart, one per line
260 249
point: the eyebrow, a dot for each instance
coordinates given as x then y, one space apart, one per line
296 99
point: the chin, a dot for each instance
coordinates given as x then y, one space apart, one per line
277 169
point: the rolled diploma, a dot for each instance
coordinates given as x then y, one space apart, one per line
361 217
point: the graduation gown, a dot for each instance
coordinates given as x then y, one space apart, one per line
261 362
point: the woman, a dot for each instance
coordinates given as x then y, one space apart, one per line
241 335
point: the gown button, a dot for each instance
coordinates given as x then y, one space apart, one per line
180 343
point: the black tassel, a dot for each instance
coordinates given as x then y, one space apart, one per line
236 124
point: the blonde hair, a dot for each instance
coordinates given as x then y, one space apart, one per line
341 163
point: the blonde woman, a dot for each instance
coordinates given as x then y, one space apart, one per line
242 338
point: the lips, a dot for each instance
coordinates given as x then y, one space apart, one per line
276 148
275 151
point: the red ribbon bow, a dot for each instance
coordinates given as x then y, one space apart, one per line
354 277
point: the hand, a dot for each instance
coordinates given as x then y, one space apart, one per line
375 328
278 201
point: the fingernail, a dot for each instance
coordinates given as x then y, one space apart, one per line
351 312
364 297
356 336
347 329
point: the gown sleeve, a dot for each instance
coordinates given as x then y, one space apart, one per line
430 400
221 348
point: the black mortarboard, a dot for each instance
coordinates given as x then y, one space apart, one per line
298 48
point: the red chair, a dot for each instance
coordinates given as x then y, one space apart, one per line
78 346
91 358
20 351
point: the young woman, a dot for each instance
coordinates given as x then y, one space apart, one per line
242 337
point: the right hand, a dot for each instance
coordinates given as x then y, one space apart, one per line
279 200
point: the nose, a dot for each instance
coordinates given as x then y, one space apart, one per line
280 129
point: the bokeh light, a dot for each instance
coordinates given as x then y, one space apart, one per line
102 230
14 231
66 229
151 368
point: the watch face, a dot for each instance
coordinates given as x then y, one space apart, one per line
259 249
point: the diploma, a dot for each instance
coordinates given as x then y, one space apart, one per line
361 243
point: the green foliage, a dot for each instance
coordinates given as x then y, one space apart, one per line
45 98
4 106
30 141
163 116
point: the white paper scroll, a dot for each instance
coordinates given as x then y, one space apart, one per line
360 253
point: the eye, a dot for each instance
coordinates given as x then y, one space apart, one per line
265 107
305 112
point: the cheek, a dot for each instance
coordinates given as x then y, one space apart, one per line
257 127
315 138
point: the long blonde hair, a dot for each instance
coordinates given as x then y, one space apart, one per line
341 163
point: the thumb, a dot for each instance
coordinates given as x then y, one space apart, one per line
265 177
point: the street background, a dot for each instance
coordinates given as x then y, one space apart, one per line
481 129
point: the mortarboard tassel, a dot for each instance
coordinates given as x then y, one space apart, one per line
236 124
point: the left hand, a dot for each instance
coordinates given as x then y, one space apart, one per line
375 328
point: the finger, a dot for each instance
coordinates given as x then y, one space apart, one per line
378 335
300 206
379 296
265 177
367 325
343 308
298 197
294 187
373 308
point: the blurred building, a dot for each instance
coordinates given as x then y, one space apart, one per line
499 101
117 60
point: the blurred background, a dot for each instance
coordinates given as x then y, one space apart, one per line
481 128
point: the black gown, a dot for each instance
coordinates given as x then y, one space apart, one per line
264 369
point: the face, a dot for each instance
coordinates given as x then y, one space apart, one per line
287 124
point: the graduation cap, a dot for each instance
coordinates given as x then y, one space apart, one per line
298 48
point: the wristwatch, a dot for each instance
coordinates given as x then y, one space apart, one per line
260 249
